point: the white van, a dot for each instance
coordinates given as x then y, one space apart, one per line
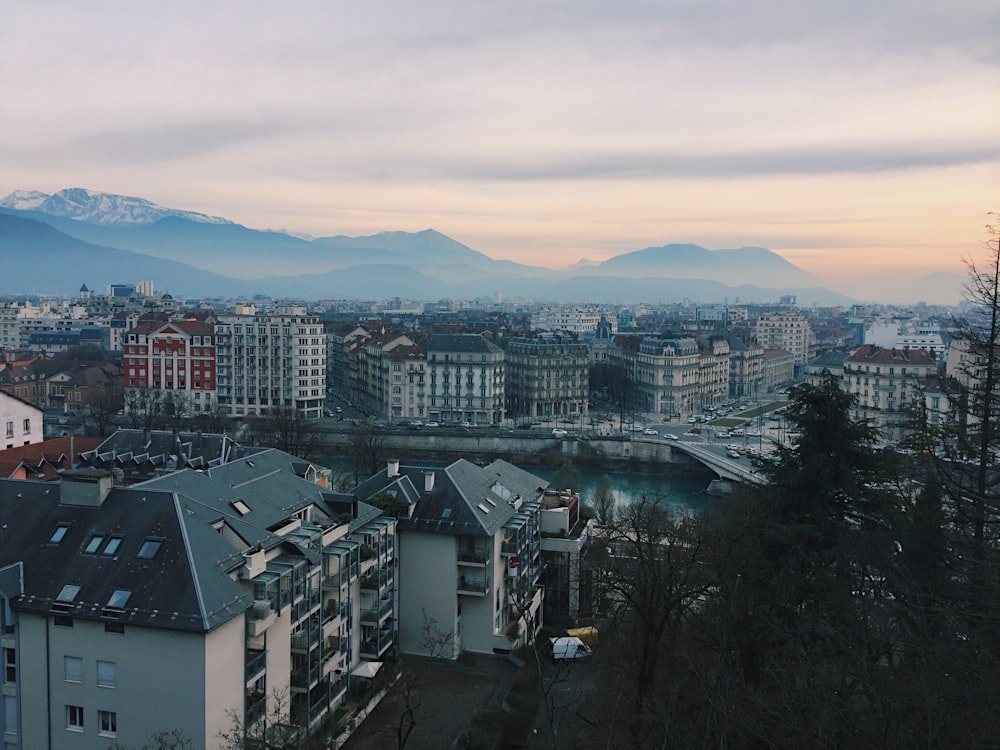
568 648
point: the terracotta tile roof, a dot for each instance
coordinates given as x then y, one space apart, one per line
44 459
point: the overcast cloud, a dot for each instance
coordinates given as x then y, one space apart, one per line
843 135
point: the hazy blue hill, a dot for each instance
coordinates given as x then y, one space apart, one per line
228 249
371 281
736 266
428 250
37 258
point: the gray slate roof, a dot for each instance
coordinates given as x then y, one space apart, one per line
466 500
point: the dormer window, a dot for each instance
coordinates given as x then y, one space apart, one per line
149 548
93 544
67 595
59 533
118 600
112 546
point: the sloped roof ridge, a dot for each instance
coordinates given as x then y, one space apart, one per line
192 566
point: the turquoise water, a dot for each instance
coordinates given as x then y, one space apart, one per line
683 492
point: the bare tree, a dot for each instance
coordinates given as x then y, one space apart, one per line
144 407
367 450
273 731
287 429
603 501
101 404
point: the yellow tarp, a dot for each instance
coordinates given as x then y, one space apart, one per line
588 635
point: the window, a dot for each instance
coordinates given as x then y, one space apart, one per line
118 599
9 665
107 674
93 544
149 549
107 723
67 594
27 426
112 546
62 621
10 429
241 507
59 533
74 718
114 627
73 667
10 714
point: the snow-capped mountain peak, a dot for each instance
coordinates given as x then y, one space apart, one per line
99 208
24 200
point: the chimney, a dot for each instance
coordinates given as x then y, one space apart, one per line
392 468
84 487
428 481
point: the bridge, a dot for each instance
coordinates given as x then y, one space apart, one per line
724 466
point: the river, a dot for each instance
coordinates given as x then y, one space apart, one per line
684 492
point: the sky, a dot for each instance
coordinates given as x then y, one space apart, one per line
857 136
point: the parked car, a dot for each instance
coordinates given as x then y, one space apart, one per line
559 433
431 424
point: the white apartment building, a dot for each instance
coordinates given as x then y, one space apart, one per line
890 334
666 373
187 602
469 554
465 379
789 332
886 382
547 376
578 320
265 361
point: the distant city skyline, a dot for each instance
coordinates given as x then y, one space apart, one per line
850 138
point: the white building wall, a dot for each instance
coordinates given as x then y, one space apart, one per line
428 586
20 423
160 684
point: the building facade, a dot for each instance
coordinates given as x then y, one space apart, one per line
547 377
465 379
176 357
199 601
789 332
270 360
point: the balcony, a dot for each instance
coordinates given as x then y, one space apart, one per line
303 678
303 641
256 661
475 557
375 646
256 707
509 547
374 615
472 587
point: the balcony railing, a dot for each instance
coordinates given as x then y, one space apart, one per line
256 661
375 614
303 677
377 644
473 557
472 587
256 706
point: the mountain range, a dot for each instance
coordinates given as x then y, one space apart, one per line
53 244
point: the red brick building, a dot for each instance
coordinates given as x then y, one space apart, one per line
177 356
